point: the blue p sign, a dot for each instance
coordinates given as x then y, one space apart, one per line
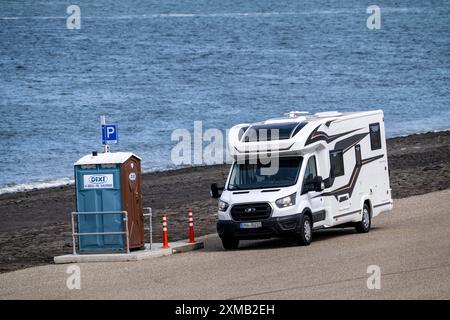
109 134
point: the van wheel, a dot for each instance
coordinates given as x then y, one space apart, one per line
230 243
364 225
304 234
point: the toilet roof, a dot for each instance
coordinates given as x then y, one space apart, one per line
104 158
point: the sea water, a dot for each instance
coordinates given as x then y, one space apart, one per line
156 66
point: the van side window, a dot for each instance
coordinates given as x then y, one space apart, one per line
310 174
358 155
375 136
336 163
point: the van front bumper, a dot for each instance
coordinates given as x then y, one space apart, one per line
271 227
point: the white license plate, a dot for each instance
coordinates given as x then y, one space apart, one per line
251 225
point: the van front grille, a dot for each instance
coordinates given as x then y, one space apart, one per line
251 211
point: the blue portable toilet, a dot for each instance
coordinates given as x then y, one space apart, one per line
109 182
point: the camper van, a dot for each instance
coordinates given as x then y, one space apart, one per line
299 173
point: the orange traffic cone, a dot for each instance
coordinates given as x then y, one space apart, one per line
165 235
191 227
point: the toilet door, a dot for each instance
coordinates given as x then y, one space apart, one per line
98 189
132 201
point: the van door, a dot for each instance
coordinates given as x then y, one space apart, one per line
344 202
385 192
314 198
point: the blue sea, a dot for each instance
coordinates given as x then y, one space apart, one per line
156 66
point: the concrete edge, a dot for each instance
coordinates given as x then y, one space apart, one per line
190 247
176 247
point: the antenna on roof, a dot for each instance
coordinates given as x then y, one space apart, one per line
295 114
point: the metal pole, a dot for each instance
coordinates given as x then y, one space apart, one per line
74 250
151 227
103 122
126 225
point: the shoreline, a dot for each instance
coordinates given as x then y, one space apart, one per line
36 224
56 184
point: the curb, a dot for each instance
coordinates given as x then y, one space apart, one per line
192 246
157 251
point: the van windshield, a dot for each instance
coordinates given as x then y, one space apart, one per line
248 175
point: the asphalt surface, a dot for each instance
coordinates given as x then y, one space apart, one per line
411 245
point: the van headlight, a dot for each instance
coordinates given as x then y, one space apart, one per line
286 201
223 206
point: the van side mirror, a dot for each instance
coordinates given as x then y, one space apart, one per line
319 185
215 191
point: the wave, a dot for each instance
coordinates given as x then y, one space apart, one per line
221 14
40 184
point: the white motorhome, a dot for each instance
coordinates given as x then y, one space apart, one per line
332 170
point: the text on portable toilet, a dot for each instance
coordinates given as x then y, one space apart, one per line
98 181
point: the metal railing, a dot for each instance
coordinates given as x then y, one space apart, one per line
76 235
150 228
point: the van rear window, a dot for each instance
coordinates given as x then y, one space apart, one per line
375 136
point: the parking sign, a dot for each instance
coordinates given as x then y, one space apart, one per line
109 134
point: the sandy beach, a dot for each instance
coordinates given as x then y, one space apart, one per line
406 244
36 224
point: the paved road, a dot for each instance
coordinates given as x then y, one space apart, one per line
411 246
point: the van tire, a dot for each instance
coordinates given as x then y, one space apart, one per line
364 225
230 243
304 232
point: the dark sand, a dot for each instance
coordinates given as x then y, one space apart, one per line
35 225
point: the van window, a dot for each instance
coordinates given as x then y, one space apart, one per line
249 175
336 163
375 136
272 131
310 174
358 155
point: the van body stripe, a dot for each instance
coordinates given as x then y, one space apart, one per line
322 136
348 188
